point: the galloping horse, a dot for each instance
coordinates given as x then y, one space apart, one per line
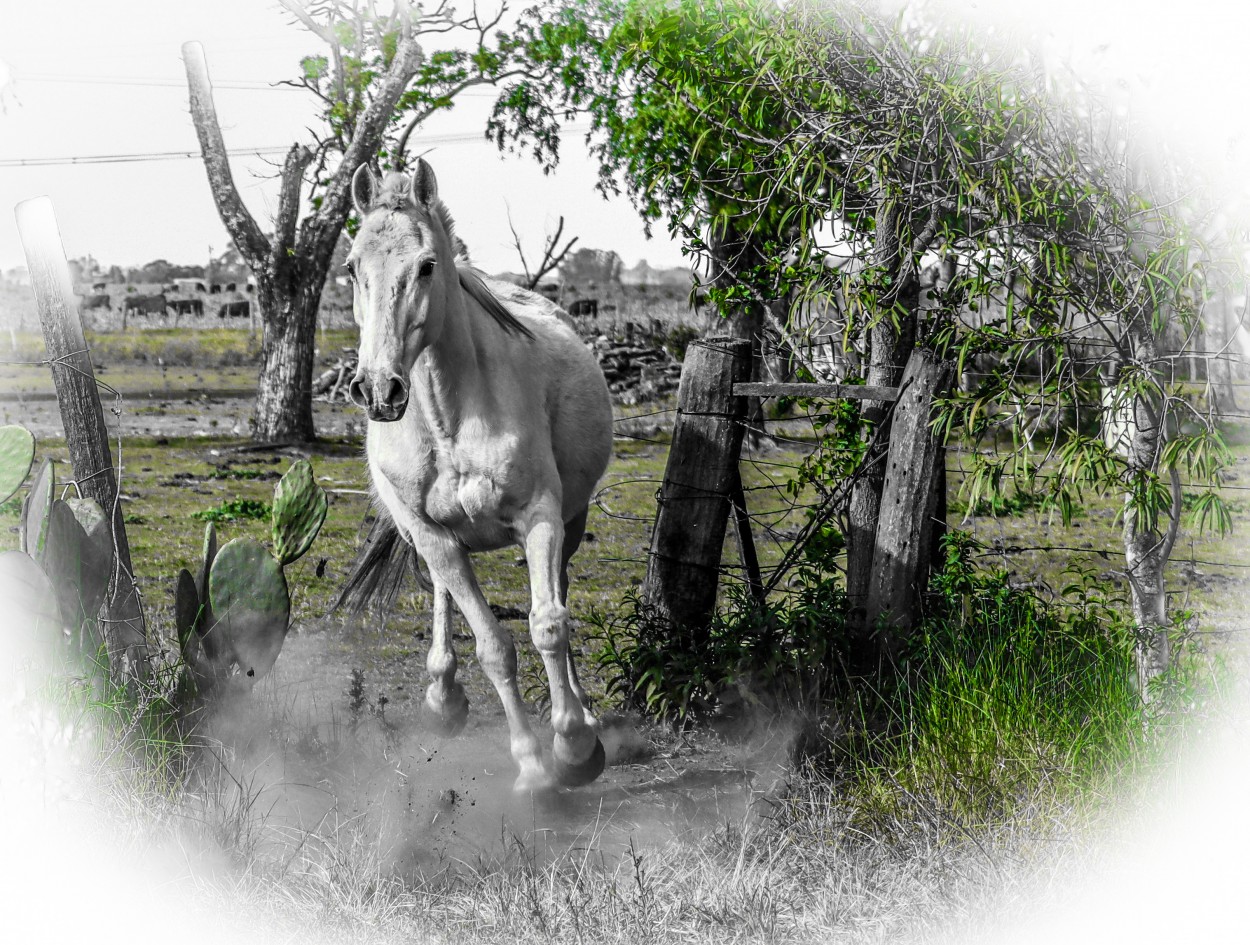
489 424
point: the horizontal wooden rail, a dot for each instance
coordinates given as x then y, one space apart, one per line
837 391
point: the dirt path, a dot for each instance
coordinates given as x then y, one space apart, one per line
319 759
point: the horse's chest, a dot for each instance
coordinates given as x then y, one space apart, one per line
474 497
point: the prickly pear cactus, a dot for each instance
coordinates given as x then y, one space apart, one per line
249 597
235 614
17 452
298 511
79 563
35 510
187 612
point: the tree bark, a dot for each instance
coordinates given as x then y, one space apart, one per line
909 502
891 341
283 412
700 478
1147 548
732 253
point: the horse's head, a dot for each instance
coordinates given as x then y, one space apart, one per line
399 263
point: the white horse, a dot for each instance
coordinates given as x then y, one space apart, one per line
490 424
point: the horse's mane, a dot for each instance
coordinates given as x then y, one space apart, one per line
479 291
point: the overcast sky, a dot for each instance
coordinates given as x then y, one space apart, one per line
93 78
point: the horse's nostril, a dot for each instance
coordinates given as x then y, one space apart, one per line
356 392
396 392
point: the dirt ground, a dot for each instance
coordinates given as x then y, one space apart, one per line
315 753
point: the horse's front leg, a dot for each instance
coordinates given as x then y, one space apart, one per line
445 698
449 566
577 754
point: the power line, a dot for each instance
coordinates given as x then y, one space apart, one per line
459 138
152 81
130 158
254 85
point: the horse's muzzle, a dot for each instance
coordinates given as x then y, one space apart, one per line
384 402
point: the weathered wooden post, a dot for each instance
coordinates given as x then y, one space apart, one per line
83 419
900 563
699 481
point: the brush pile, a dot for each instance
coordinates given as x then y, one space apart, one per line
635 363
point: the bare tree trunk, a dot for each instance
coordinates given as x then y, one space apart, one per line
891 341
903 546
1146 548
284 393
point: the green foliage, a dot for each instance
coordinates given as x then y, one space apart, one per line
1021 502
1004 678
782 654
233 510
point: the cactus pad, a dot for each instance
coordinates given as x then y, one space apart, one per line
210 552
35 511
299 508
17 452
79 569
252 606
186 615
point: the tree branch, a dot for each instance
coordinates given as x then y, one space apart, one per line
297 160
320 231
247 235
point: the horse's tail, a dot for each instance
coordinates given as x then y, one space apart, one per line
385 559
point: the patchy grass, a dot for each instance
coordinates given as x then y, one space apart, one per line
315 801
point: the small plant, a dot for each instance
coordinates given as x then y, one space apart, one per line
233 510
233 617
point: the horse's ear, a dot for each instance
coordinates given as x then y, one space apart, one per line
364 187
424 187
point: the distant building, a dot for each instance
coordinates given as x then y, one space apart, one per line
17 276
187 286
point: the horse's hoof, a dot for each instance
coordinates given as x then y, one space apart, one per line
450 721
567 775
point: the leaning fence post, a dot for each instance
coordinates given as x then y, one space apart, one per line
699 481
83 418
909 500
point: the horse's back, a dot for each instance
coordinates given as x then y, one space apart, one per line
577 398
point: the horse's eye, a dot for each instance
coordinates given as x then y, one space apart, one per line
426 269
351 269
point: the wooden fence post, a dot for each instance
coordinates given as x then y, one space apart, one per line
83 419
901 556
699 481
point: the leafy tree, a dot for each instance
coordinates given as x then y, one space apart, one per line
752 128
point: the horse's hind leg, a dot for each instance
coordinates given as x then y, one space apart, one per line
445 698
577 754
573 532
